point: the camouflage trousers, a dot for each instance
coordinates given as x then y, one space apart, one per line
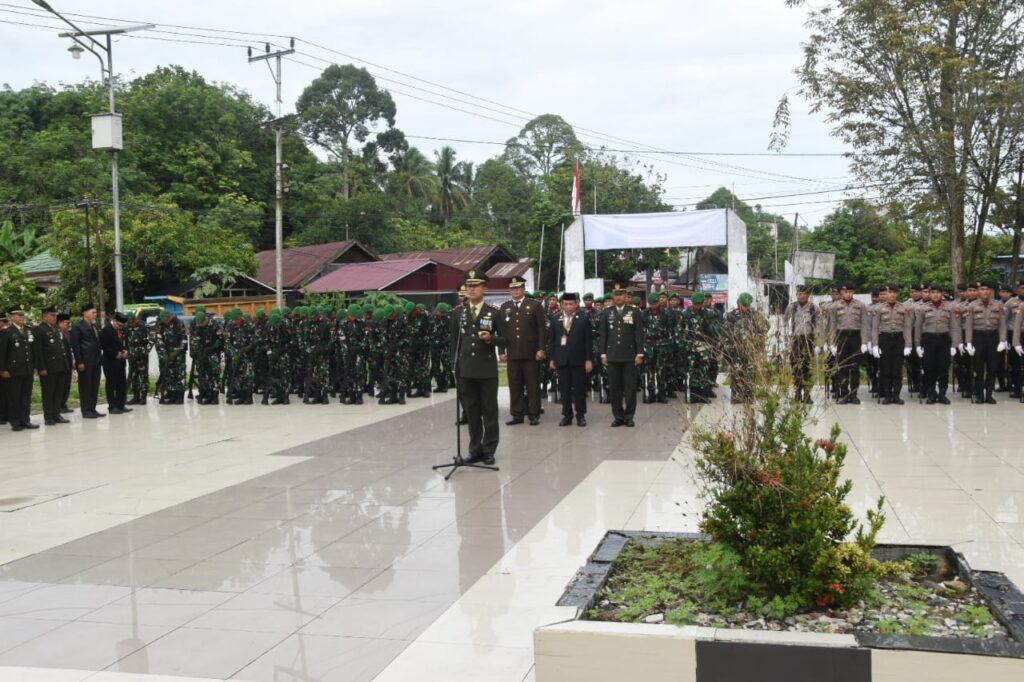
441 368
275 387
318 379
138 378
393 378
208 378
354 380
172 381
419 376
656 373
241 383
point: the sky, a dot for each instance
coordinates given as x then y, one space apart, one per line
683 75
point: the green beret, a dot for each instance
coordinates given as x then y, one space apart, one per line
409 307
652 298
368 309
745 299
673 295
420 306
261 313
698 297
388 310
200 316
442 308
275 318
131 315
355 310
164 315
588 296
636 300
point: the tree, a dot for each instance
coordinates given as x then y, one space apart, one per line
17 246
341 106
16 289
413 181
927 91
543 145
451 195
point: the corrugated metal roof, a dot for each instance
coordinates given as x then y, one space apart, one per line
302 263
464 259
41 262
367 276
506 270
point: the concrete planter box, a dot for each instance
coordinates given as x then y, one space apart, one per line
605 652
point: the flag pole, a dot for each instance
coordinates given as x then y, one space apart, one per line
558 278
540 263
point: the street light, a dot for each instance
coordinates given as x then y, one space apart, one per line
106 128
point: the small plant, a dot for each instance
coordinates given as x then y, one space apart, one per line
923 564
719 573
976 618
685 614
780 608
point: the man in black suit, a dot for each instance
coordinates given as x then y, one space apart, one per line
64 325
115 363
478 329
4 323
85 344
527 335
53 364
17 368
571 349
622 352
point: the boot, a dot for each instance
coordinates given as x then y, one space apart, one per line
401 398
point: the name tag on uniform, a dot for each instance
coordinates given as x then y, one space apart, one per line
628 319
486 324
565 340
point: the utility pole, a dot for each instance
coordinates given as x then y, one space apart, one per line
1018 222
278 168
84 203
106 128
540 262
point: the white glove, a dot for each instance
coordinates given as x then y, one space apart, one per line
1001 347
877 352
817 350
863 348
920 352
834 350
906 352
1019 349
952 351
970 349
961 349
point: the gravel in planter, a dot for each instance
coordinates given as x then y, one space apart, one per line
656 582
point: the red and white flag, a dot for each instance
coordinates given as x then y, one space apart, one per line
576 192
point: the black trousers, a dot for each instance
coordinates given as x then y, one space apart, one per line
1014 369
19 399
64 388
622 387
89 388
52 387
800 353
3 400
914 373
890 365
936 364
1002 365
572 382
848 356
117 383
985 360
480 402
524 378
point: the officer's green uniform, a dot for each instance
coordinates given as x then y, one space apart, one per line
17 368
208 345
171 346
657 345
53 361
701 336
419 351
139 339
622 341
276 387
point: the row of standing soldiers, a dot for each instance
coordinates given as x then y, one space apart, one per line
315 353
978 335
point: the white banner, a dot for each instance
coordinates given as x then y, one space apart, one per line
656 230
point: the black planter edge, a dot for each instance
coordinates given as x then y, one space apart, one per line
1004 598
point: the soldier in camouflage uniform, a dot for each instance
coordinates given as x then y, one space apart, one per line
373 347
394 342
316 347
700 336
657 340
206 343
275 390
139 341
440 343
171 346
419 352
745 334
239 347
352 337
260 332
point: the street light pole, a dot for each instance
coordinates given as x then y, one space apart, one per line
107 72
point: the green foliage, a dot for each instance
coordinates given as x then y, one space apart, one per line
924 563
17 246
684 614
718 573
214 279
17 290
335 300
780 608
975 618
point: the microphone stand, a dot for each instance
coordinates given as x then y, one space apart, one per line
458 461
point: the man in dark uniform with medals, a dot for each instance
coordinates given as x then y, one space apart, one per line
16 368
622 352
478 329
526 336
53 362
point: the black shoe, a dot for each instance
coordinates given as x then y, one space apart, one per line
488 460
663 400
472 459
988 401
943 400
534 421
931 400
30 425
513 421
630 423
887 401
50 422
853 401
566 421
897 401
115 410
62 420
617 423
17 428
581 421
65 410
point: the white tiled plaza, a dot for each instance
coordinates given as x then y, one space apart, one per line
314 543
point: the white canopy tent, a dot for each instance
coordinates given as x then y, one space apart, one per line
687 229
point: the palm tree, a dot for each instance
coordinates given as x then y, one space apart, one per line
414 179
451 192
467 174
